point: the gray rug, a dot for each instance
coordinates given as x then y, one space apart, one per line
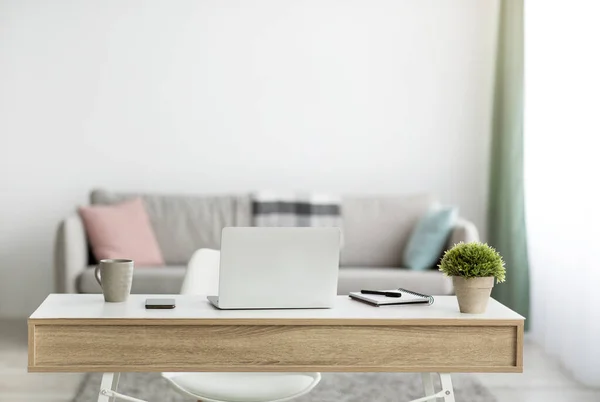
338 387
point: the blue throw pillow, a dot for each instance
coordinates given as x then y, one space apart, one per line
429 237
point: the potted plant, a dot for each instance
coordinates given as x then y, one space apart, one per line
473 267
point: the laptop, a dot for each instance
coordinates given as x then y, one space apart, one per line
278 268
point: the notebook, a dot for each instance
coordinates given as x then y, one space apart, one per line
408 297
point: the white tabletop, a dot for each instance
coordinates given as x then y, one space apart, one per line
92 306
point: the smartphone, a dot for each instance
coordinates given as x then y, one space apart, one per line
160 303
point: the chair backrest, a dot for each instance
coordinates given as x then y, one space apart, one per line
202 275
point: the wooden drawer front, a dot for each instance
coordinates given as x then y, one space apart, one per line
274 348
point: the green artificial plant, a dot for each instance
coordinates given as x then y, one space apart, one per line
473 260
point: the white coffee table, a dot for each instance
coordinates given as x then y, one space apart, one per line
82 333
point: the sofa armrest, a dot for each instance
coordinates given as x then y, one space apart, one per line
70 254
464 231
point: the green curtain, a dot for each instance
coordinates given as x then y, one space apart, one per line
506 215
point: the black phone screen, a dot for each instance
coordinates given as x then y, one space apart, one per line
160 303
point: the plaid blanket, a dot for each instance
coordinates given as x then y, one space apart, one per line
318 210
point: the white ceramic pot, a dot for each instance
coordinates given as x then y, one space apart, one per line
473 293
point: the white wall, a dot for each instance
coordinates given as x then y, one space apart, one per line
363 96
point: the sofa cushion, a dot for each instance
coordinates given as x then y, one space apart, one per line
376 228
429 238
146 280
122 231
183 224
433 282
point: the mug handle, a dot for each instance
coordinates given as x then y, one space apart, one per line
97 276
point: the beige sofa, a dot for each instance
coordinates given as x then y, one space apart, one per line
376 230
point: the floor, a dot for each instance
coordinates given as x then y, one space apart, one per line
542 379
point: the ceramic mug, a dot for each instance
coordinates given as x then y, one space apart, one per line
115 277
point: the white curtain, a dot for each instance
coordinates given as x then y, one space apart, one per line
562 180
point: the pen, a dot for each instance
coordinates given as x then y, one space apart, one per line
379 292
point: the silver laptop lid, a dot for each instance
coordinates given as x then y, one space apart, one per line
278 267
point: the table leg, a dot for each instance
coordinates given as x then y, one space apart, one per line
110 381
108 390
446 394
447 388
427 379
115 384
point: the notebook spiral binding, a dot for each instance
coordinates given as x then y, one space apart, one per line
428 297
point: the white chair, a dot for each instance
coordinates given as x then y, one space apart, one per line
202 277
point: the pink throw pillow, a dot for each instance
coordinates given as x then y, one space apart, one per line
122 231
